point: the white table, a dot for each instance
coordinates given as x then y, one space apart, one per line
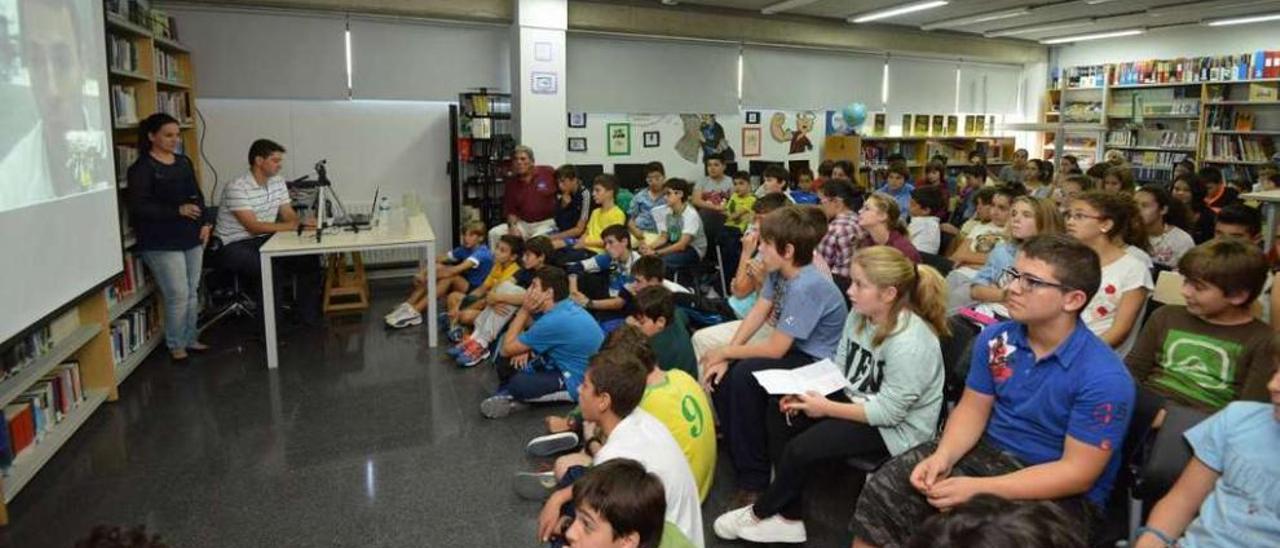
417 234
1269 200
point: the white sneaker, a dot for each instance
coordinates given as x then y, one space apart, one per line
395 311
743 524
405 318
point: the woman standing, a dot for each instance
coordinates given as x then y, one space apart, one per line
166 209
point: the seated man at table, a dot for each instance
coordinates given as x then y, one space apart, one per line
253 208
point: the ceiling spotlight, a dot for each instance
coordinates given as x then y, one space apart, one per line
896 11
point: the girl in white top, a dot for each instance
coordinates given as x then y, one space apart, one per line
1109 222
1164 217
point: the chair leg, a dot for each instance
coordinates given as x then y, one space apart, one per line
724 287
1135 515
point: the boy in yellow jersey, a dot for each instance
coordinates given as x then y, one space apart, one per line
464 308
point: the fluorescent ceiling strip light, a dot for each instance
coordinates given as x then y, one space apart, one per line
975 19
1096 36
1243 20
1029 29
1191 7
1096 2
884 85
784 6
896 11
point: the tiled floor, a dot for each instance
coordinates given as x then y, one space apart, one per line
363 437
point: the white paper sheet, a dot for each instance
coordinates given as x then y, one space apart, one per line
822 377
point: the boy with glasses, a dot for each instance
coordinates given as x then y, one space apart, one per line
1043 415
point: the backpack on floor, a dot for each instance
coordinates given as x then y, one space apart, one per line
702 311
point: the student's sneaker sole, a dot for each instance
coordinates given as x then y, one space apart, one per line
534 485
402 322
552 444
497 407
466 361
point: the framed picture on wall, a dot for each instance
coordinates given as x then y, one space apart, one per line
618 139
577 119
577 144
753 117
750 142
652 139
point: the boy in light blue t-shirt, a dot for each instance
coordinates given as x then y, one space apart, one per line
1233 481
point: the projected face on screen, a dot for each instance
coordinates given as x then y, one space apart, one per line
54 144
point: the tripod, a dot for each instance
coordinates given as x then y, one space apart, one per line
325 194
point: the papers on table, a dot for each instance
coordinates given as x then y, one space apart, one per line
822 377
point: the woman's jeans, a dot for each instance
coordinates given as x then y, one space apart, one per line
178 275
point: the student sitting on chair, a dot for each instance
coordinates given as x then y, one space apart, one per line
461 270
597 284
1109 224
1028 218
604 190
1218 194
1211 351
573 208
500 304
1228 494
640 219
806 190
806 320
1239 221
978 239
897 185
882 224
543 358
685 242
840 202
463 308
610 396
1165 219
1043 415
925 228
619 503
891 357
254 207
528 198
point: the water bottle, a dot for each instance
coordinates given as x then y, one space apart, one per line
382 219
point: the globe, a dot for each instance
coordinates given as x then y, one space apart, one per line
854 115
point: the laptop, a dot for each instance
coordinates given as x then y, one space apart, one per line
365 219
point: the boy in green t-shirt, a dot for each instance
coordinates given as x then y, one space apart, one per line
1211 351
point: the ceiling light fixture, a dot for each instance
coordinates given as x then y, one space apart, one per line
1029 29
979 18
1192 7
896 11
1095 36
1244 20
1096 2
784 6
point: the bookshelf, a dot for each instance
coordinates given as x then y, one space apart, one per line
481 146
1242 122
871 161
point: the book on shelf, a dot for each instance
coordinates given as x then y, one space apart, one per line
1262 92
907 126
1238 148
938 125
489 105
921 126
953 125
21 429
124 104
1152 138
125 156
175 104
132 330
135 277
167 66
22 351
163 24
35 412
129 10
122 53
879 125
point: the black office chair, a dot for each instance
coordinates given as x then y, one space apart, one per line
1163 462
942 264
222 293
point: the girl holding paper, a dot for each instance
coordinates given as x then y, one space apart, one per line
892 359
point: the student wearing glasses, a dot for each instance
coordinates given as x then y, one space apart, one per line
1109 223
1043 415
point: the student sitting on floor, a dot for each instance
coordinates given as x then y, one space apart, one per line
1043 415
1238 221
892 359
506 262
573 206
672 396
685 242
545 362
1211 351
925 228
806 320
1029 217
840 203
461 270
619 503
882 224
598 284
609 396
1228 494
500 304
1109 223
806 190
988 520
639 215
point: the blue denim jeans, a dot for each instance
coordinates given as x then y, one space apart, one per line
178 275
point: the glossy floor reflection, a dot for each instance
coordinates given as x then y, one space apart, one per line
363 437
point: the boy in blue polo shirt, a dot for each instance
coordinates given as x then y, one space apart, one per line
546 362
1043 415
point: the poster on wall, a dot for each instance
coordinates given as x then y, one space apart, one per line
702 134
577 119
753 117
652 139
798 135
953 125
577 144
922 125
751 145
618 137
939 125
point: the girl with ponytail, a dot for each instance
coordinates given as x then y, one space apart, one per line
881 220
892 359
1109 223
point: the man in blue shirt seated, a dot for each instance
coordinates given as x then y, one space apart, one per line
546 362
1043 415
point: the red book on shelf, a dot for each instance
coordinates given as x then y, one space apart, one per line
22 426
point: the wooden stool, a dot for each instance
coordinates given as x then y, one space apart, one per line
345 291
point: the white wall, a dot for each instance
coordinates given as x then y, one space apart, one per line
1170 43
395 146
